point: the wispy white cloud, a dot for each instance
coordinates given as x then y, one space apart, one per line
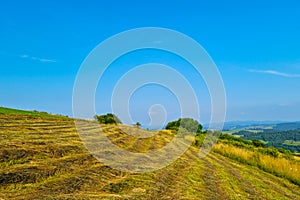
46 60
25 56
273 72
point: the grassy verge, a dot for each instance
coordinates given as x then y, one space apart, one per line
279 166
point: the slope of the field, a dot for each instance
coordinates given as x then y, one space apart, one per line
42 157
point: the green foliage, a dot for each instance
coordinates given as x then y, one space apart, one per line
285 151
174 125
26 112
138 124
236 141
182 132
271 151
258 143
198 141
287 126
189 124
107 119
242 143
274 138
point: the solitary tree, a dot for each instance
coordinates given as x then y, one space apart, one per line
108 119
138 124
189 124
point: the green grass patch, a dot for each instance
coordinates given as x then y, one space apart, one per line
4 110
292 143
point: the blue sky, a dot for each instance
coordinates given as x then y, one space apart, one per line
255 44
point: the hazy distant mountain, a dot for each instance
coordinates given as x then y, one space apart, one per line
259 125
287 126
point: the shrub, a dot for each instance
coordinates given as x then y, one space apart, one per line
237 141
108 119
271 151
258 143
189 124
138 124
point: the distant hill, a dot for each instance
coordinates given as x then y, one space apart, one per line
259 125
289 139
287 126
274 133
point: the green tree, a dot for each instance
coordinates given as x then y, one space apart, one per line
108 119
138 124
258 143
189 124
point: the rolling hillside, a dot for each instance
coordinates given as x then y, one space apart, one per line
42 157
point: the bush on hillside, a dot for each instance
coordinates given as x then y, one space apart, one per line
258 143
271 151
189 124
108 119
233 138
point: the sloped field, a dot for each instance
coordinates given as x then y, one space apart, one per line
42 157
